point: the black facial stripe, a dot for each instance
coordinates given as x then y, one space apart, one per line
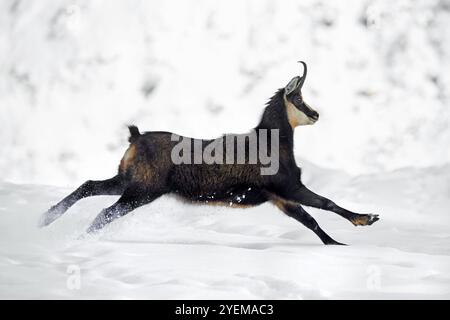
297 100
303 108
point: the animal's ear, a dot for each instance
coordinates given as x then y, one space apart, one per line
292 85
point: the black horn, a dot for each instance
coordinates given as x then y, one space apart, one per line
305 71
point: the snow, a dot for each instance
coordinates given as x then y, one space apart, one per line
74 73
169 249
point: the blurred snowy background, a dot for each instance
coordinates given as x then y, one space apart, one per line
74 73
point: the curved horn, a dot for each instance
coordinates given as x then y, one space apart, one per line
305 71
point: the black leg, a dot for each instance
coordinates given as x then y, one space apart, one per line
298 213
113 186
308 198
132 198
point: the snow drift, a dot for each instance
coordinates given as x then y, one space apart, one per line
173 250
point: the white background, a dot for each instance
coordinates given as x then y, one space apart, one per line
73 74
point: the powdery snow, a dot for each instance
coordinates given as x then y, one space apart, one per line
169 249
74 73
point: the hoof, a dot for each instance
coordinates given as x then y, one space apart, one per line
327 240
49 216
334 243
94 228
99 222
365 219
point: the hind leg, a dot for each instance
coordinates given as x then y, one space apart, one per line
113 186
132 198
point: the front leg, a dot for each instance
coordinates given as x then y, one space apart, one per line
295 211
303 195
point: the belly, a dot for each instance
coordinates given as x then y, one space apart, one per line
235 197
232 185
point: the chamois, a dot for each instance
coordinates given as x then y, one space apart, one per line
147 171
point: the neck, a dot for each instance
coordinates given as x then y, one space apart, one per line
275 117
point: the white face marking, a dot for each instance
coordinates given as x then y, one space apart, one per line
295 116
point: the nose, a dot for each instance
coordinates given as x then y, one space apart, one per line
315 115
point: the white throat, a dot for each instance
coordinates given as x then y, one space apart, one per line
296 117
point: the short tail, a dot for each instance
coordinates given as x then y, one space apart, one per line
134 133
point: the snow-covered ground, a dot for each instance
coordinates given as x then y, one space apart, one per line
74 73
173 250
